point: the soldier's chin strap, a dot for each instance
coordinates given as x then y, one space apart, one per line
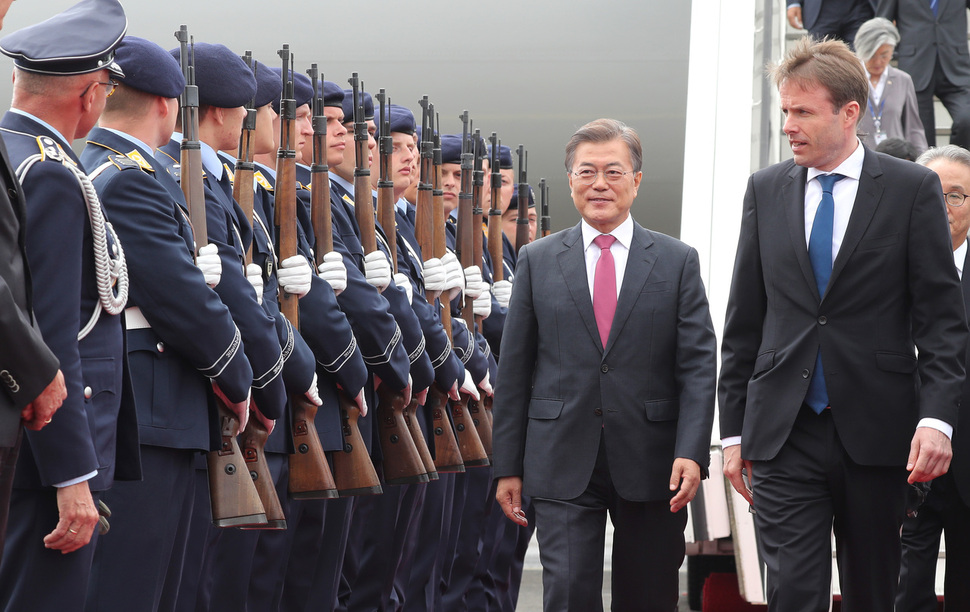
108 270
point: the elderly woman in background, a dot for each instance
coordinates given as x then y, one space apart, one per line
892 111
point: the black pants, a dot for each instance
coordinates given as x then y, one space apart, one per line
957 102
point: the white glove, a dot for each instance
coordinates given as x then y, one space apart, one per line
312 393
210 263
456 278
333 270
474 284
361 402
484 384
468 386
254 274
482 305
502 290
435 276
377 270
402 281
294 275
241 410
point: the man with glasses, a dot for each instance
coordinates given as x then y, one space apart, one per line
947 504
842 273
605 397
80 285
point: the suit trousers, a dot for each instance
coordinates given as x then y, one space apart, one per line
943 511
810 487
648 548
8 467
957 102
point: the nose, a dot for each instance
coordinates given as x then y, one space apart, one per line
599 182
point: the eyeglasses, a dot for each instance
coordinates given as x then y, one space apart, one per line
956 199
109 88
587 176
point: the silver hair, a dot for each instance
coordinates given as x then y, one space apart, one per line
874 34
604 130
948 152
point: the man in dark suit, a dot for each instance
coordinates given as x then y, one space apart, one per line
947 504
31 395
933 50
833 18
80 287
606 388
821 391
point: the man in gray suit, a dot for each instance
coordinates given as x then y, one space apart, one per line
606 388
33 387
933 50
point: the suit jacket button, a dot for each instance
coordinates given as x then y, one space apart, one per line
604 368
12 192
88 392
822 320
161 347
598 412
806 373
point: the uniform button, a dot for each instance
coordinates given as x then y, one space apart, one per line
822 320
604 368
88 392
805 373
598 412
12 193
161 347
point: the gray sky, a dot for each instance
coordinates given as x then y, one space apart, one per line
531 70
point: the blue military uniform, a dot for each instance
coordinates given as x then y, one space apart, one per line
94 435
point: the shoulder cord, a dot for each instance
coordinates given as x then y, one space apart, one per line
107 270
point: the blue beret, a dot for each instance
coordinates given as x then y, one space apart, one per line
367 101
401 119
515 198
149 68
333 95
223 77
79 40
302 88
504 157
451 148
269 86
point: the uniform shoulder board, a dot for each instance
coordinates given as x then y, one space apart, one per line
139 159
123 162
50 149
261 181
347 199
229 173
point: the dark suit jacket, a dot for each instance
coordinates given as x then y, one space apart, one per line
650 392
893 288
27 366
812 10
960 465
923 38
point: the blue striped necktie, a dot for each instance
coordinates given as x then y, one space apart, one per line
820 254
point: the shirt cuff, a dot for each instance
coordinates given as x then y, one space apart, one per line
943 426
77 480
732 441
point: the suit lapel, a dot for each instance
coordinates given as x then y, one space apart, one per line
572 264
793 196
965 282
639 264
866 202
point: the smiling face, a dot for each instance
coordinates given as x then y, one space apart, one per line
820 136
604 205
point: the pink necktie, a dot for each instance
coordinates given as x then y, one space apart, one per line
604 287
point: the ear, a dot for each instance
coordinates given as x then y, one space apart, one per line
218 115
851 110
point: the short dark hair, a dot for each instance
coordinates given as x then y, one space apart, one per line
605 130
897 147
829 63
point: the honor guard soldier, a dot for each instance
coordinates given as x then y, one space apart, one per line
181 337
64 72
34 393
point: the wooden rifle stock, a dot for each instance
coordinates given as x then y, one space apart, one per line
495 249
353 471
252 442
447 457
310 476
233 497
477 407
402 462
